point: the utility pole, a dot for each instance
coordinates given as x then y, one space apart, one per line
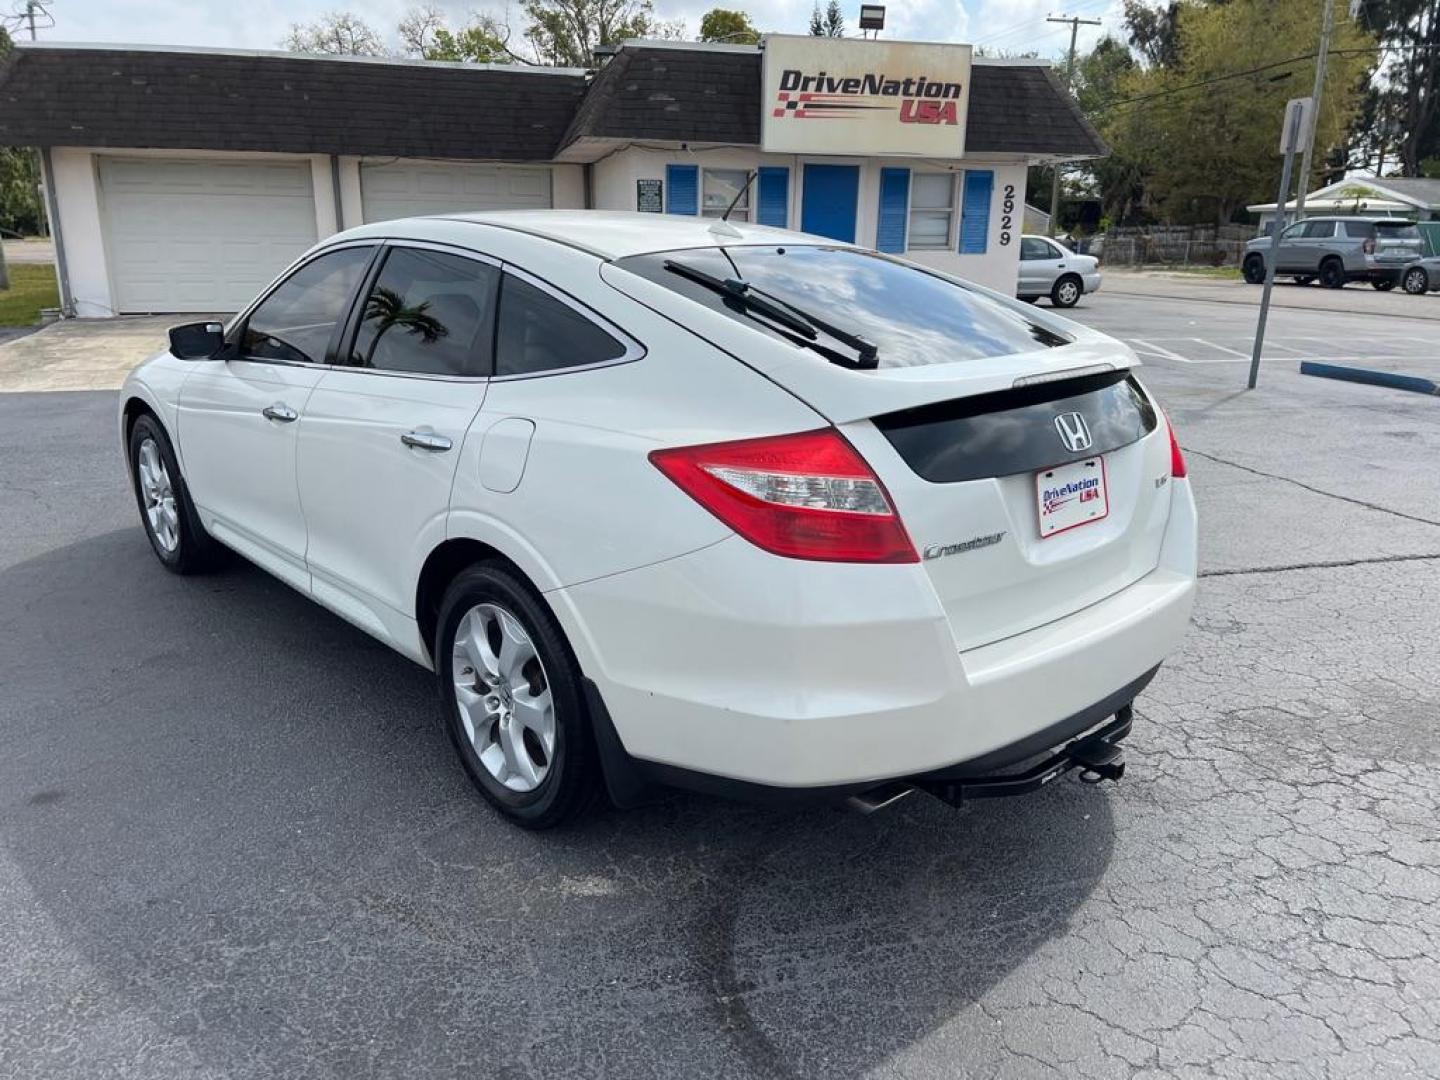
1327 27
1075 24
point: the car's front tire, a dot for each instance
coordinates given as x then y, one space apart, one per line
513 699
173 527
1067 291
1253 269
1416 281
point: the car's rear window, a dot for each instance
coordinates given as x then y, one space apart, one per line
1399 231
913 317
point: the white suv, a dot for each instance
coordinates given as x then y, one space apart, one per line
670 499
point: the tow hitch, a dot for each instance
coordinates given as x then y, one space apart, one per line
1098 757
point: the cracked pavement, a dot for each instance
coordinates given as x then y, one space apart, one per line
233 842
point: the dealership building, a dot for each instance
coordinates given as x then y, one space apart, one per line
182 180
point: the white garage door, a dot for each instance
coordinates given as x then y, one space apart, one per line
183 235
405 189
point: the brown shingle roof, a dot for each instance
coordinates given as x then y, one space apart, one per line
213 100
218 100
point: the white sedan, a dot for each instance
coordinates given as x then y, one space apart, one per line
1048 268
664 499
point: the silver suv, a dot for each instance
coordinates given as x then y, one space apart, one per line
1337 250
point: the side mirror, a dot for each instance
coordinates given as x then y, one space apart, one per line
196 341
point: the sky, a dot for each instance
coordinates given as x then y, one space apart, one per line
1013 26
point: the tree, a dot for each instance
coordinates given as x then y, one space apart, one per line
386 309
1203 141
337 33
1404 105
418 27
830 24
485 40
1100 76
1153 31
734 27
565 32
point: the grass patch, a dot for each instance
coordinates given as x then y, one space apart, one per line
32 287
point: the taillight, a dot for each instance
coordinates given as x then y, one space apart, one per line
805 496
1177 459
1369 246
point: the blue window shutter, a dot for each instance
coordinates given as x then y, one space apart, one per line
683 182
975 211
772 204
894 205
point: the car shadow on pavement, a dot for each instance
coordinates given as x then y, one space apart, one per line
244 830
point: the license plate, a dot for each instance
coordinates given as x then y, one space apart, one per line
1069 496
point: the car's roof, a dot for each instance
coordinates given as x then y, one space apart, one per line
606 233
1371 220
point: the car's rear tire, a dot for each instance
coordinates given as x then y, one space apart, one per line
173 527
513 699
1066 292
1332 274
1384 285
1416 281
1253 269
1303 279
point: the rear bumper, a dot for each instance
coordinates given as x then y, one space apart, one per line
772 672
1092 282
1380 270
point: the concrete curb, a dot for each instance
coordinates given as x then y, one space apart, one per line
1370 377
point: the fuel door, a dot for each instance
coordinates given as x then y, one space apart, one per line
503 453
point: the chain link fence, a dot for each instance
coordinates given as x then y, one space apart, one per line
1180 246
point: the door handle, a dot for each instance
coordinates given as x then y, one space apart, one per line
424 439
282 413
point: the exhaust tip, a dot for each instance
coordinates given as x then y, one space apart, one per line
878 798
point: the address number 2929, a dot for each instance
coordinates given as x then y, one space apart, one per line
1007 216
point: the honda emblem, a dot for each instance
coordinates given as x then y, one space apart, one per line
1074 432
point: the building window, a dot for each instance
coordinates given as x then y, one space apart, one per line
721 187
932 205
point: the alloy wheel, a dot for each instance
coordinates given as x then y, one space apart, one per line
1069 293
503 696
158 494
1415 282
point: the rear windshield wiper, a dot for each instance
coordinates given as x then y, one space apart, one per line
784 313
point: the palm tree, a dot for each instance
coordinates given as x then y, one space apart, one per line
386 308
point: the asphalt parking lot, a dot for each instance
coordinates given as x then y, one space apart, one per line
234 843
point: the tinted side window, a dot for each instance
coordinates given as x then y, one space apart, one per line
429 313
296 320
1319 230
1031 249
539 333
1359 230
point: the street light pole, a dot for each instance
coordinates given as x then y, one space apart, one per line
1075 24
1327 27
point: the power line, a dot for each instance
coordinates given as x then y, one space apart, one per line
29 13
1255 71
995 35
